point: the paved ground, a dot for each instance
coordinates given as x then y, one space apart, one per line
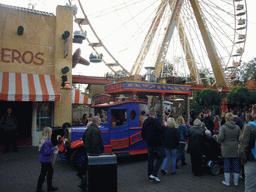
19 172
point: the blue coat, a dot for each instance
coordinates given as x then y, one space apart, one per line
183 130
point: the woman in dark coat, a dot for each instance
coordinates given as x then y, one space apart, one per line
229 137
171 142
196 137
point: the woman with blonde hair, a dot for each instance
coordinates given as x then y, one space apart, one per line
46 149
171 142
229 138
183 131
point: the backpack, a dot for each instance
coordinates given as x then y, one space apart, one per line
254 149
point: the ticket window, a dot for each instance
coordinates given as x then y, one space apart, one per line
103 114
118 117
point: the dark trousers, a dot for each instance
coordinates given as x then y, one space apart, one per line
181 152
10 140
153 169
83 168
197 162
46 168
83 171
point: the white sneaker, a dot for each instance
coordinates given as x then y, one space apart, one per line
154 178
225 183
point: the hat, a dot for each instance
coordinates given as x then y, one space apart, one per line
207 132
197 122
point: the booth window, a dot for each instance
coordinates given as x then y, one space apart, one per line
44 115
118 117
102 113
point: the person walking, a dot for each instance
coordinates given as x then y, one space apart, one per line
247 143
46 149
171 142
196 137
93 145
237 119
229 138
9 123
153 133
183 131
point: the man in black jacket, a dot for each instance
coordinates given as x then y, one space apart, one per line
153 133
9 123
93 145
196 137
208 121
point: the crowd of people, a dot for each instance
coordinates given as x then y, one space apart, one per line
208 137
229 137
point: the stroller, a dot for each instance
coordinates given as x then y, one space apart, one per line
212 160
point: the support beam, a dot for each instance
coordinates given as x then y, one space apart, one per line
162 50
210 46
194 73
162 109
148 40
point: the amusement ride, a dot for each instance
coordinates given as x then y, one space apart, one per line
184 38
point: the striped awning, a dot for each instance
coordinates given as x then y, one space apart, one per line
27 87
80 99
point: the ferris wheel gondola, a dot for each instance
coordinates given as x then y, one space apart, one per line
94 58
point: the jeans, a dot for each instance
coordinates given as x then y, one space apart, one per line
181 152
153 169
171 154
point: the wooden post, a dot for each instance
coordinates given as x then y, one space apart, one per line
187 108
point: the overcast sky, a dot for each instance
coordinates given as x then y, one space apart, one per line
100 69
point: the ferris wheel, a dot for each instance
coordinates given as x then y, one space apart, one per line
200 40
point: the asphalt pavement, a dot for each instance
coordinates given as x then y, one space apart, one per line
19 172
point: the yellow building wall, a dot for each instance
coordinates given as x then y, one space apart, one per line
32 52
39 50
64 22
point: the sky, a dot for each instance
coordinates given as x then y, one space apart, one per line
99 69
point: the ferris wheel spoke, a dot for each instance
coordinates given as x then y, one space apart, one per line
149 37
191 28
131 29
187 51
114 8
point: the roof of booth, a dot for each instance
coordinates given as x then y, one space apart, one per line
27 10
147 88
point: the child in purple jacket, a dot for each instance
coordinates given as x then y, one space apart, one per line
46 149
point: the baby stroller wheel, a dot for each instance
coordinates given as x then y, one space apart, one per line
215 169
